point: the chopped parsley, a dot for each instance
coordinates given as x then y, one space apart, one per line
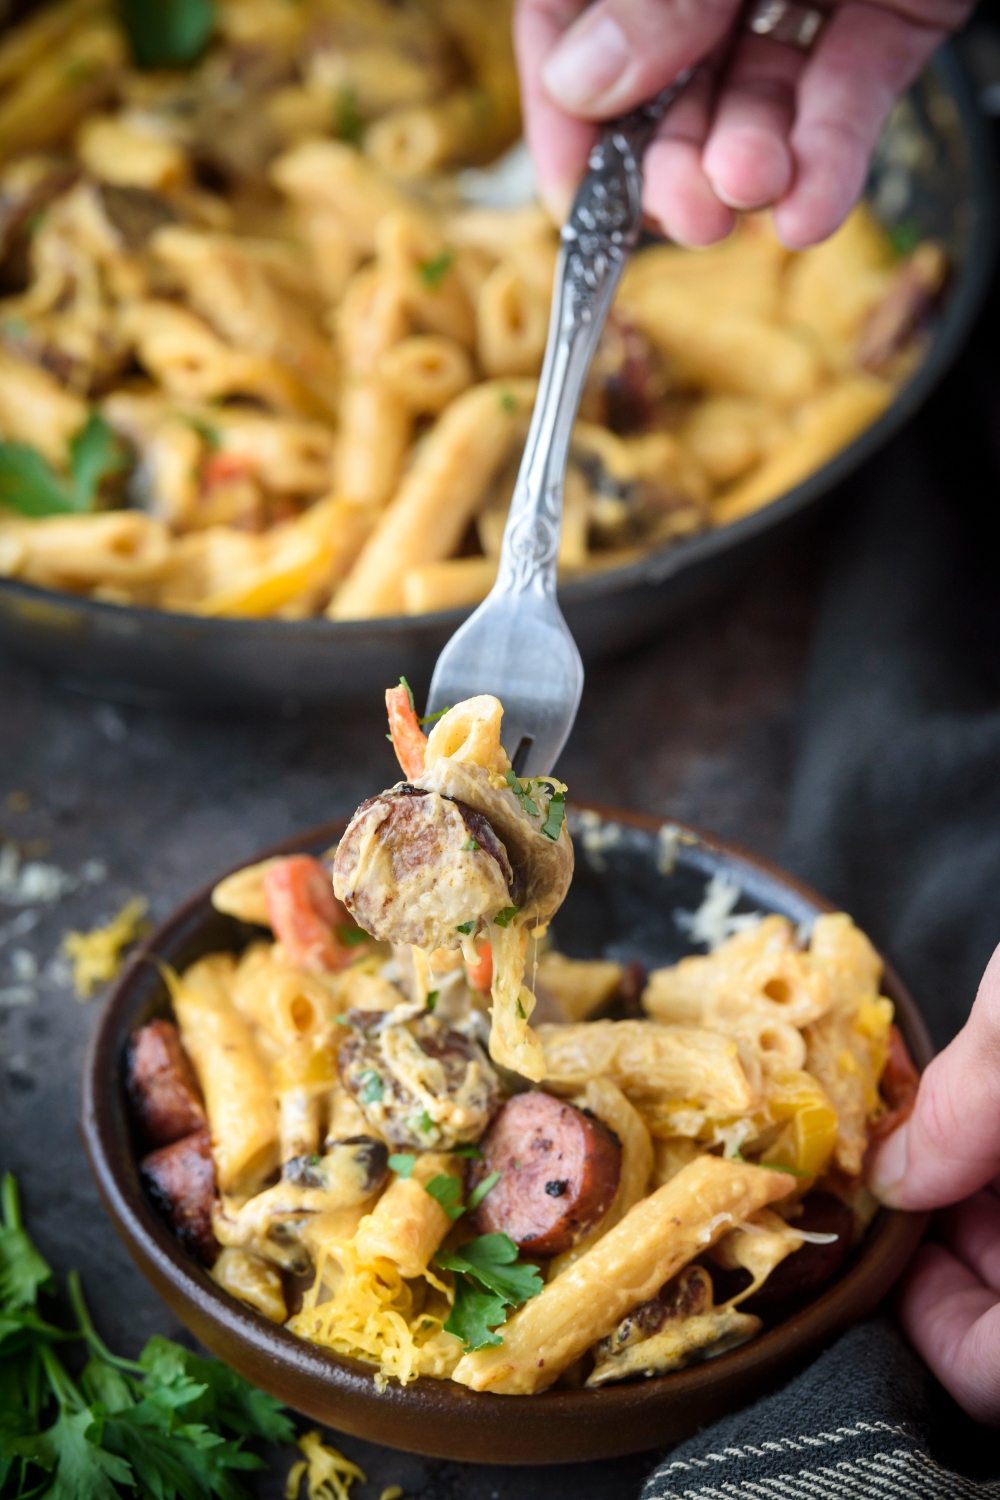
429 718
432 999
347 122
520 792
504 917
342 1021
489 1279
521 1010
170 33
479 1192
351 937
471 844
507 403
209 434
371 1087
447 1191
772 1166
422 1122
465 928
409 692
402 1163
472 1153
554 817
433 270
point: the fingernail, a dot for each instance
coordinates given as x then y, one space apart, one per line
556 199
583 67
889 1168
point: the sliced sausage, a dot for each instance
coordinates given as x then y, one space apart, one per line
559 1171
800 1275
418 867
180 1180
899 1083
161 1085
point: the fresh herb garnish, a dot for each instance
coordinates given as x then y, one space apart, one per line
507 403
771 1166
472 1153
429 718
432 999
371 1087
520 792
554 816
447 1191
352 937
402 1163
481 1189
167 33
465 928
29 485
207 431
348 124
409 693
342 1021
422 1122
504 917
433 270
169 1425
489 1279
471 844
521 1010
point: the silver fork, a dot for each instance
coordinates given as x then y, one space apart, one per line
517 644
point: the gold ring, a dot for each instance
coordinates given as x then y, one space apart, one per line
784 21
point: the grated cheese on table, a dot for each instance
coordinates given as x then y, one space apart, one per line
328 1474
97 955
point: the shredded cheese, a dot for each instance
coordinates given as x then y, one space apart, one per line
328 1474
97 955
374 1315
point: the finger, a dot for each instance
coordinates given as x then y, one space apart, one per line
865 58
677 194
953 1322
747 158
559 143
972 1231
622 52
950 1146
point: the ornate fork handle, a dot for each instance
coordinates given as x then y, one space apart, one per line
596 242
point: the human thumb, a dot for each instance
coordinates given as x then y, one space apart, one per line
950 1145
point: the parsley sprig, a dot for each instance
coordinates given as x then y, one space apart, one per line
489 1280
30 486
168 1425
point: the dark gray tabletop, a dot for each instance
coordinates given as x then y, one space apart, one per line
698 726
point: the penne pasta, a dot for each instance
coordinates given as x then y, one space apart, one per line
239 1100
436 499
625 1268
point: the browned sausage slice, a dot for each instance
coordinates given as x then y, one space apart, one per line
181 1181
162 1086
559 1171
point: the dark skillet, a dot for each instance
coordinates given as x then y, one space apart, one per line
620 906
945 190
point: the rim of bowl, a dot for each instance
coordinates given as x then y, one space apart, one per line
280 1358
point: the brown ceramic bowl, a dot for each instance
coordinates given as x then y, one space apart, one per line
620 905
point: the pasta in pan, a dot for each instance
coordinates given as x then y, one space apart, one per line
247 306
478 1166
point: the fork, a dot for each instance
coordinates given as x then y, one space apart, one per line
517 644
